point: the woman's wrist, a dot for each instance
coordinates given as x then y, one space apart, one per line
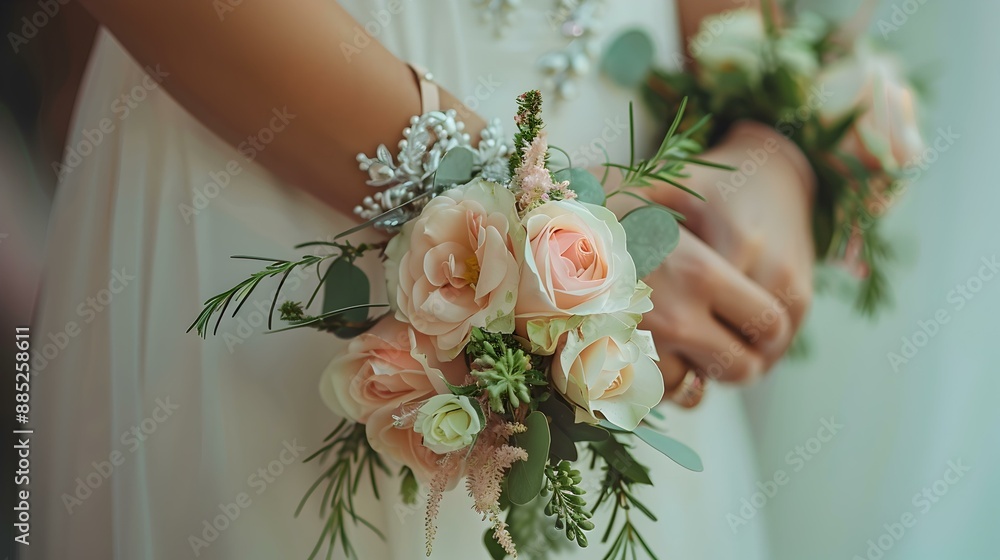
765 143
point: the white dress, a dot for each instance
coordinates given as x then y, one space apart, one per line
151 443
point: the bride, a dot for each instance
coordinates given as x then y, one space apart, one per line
204 129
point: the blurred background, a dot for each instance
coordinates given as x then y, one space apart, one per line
908 422
887 435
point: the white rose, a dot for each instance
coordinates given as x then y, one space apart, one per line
448 423
730 42
606 366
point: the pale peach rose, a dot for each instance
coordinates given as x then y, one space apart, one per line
575 262
456 266
384 368
405 446
886 135
605 367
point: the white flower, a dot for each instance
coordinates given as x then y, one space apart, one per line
606 366
730 42
448 423
886 134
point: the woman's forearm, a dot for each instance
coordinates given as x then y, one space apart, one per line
231 70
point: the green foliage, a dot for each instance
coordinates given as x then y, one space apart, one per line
502 367
629 58
587 188
566 432
671 448
346 286
566 504
620 470
780 99
651 234
333 320
525 478
455 168
353 459
408 486
529 124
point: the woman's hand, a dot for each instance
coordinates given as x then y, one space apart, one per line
698 299
758 219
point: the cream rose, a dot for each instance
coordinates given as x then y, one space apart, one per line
886 135
405 446
575 262
384 368
606 367
730 42
448 423
455 267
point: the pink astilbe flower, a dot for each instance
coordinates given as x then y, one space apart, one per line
488 461
533 180
439 484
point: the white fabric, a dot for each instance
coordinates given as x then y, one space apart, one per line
129 264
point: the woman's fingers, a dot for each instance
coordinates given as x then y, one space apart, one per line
759 317
709 347
686 290
682 384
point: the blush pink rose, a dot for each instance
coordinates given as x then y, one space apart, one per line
575 262
405 446
384 368
455 266
887 133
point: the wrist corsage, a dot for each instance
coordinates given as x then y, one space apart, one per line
846 105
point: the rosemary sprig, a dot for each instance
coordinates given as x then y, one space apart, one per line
616 489
354 458
667 165
240 293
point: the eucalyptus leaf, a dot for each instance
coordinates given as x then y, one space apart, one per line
346 285
494 549
629 58
525 479
455 168
673 449
651 233
584 184
562 446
